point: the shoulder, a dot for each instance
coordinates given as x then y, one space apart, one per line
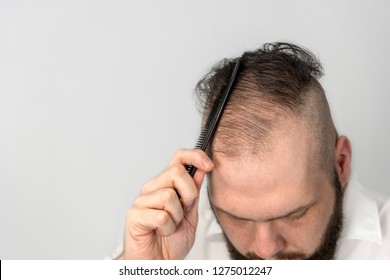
366 231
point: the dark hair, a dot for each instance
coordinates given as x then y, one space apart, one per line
273 82
280 70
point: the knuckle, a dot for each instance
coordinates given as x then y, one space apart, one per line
179 152
145 188
138 201
150 185
199 153
169 194
177 169
162 218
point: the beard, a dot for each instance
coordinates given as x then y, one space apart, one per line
326 249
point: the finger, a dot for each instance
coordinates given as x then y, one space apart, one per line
198 178
175 177
195 157
143 221
164 199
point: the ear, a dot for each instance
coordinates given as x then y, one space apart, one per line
343 158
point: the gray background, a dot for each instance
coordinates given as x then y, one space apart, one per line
95 97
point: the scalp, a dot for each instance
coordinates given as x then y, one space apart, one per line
276 82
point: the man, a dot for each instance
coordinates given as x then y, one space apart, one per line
278 175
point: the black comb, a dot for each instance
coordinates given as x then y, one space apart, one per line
214 116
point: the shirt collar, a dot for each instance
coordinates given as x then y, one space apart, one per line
361 217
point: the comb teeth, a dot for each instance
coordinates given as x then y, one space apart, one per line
200 144
201 140
215 114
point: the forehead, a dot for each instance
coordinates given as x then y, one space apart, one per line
285 174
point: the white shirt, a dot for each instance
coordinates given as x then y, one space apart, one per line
365 234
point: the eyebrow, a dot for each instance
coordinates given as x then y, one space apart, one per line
296 210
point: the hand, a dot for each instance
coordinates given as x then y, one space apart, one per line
160 225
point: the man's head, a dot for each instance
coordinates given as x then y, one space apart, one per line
280 167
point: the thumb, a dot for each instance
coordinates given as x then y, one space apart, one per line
198 178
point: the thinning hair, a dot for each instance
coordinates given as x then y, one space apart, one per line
274 82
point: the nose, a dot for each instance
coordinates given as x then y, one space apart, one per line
268 243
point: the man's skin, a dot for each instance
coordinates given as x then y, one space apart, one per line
278 204
268 203
159 225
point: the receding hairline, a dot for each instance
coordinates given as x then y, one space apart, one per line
271 117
